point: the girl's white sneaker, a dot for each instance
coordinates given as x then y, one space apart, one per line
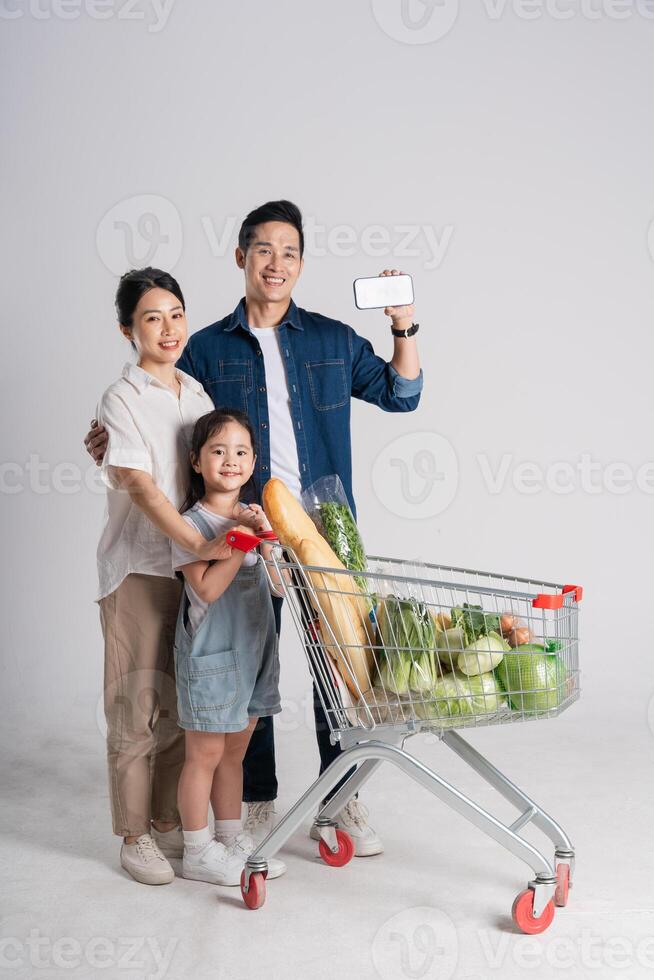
213 863
145 863
243 845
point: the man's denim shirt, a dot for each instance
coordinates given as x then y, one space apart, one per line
327 363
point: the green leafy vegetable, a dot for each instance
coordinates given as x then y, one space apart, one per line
407 634
482 655
342 533
474 622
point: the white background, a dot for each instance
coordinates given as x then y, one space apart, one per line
522 140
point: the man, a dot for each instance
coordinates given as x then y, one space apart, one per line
294 373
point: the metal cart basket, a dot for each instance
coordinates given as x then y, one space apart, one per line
408 647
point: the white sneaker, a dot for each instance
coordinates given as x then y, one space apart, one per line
353 818
243 845
145 862
213 863
260 819
170 842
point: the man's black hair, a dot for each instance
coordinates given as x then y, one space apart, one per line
271 211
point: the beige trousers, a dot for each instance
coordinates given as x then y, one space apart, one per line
145 747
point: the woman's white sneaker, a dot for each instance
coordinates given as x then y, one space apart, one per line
213 863
353 819
145 863
243 845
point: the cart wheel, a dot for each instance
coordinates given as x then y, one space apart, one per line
523 914
344 853
563 884
255 896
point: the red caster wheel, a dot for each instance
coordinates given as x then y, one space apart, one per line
523 914
255 896
563 884
344 853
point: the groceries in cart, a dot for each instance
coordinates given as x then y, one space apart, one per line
407 649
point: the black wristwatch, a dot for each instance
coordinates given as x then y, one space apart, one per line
409 332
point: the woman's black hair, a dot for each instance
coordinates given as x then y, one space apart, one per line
135 284
206 427
271 211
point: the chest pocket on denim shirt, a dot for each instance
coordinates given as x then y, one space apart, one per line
230 389
328 384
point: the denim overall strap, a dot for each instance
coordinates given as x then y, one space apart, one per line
203 525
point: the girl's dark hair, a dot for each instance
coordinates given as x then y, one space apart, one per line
135 283
271 211
206 427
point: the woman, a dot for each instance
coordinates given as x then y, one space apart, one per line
149 413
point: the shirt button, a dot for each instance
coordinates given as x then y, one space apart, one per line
262 388
264 467
264 425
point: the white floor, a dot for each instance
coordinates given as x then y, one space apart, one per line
436 904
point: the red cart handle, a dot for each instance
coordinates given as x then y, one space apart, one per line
243 541
544 601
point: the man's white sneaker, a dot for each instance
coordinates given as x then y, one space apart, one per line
243 845
353 818
145 862
170 842
213 863
260 819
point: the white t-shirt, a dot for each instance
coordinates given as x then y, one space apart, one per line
198 608
149 429
284 463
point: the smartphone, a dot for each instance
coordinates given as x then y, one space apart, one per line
376 292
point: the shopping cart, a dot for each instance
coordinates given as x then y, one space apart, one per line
387 656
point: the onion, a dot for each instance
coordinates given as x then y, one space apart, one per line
519 635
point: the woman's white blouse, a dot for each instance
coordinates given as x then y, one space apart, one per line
149 429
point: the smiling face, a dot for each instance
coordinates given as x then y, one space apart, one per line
227 459
272 262
158 329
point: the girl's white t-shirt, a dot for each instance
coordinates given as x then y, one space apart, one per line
149 429
284 463
197 607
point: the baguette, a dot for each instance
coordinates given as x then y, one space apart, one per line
346 616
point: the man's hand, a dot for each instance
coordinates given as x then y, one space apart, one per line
402 316
96 441
253 516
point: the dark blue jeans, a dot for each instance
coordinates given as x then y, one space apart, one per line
259 774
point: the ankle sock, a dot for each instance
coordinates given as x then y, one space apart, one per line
197 840
226 830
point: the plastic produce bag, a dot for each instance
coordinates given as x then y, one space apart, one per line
326 503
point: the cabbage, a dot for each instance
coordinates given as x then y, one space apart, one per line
482 655
457 696
394 674
533 679
423 673
407 633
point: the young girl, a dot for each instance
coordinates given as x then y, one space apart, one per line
149 414
226 654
